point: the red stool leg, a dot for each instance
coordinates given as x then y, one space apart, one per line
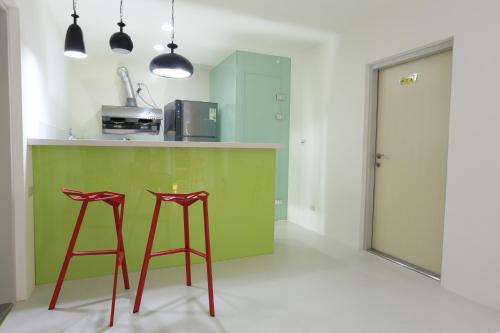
113 298
69 255
120 257
121 248
208 258
147 256
186 245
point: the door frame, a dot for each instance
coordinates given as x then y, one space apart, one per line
9 223
21 289
370 130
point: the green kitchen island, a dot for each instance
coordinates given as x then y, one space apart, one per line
239 177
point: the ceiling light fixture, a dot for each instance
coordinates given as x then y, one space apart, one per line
171 64
74 45
167 27
120 42
158 47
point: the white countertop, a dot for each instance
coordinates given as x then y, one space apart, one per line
167 144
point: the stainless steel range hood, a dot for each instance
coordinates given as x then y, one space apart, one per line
130 119
124 120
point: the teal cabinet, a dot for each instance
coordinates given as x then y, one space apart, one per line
253 93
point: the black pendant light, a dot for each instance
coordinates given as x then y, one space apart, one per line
120 42
74 46
171 64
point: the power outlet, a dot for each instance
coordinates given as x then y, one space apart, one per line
280 97
278 202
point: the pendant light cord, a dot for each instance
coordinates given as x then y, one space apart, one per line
172 46
173 23
75 15
121 24
121 10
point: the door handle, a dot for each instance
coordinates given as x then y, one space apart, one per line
379 157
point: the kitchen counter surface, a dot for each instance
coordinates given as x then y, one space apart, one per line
138 143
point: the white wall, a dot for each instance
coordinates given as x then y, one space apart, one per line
44 72
471 265
310 101
94 82
39 71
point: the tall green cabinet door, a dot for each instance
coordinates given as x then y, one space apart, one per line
253 93
265 121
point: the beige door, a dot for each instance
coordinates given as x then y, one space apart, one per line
412 150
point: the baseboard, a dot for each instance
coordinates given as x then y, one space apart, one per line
4 311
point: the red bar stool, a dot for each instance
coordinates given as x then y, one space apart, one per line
185 200
117 201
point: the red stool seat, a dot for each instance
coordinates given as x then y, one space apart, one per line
117 201
185 200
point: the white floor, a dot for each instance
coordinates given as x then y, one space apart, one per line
308 285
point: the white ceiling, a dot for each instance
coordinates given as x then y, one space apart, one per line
209 30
